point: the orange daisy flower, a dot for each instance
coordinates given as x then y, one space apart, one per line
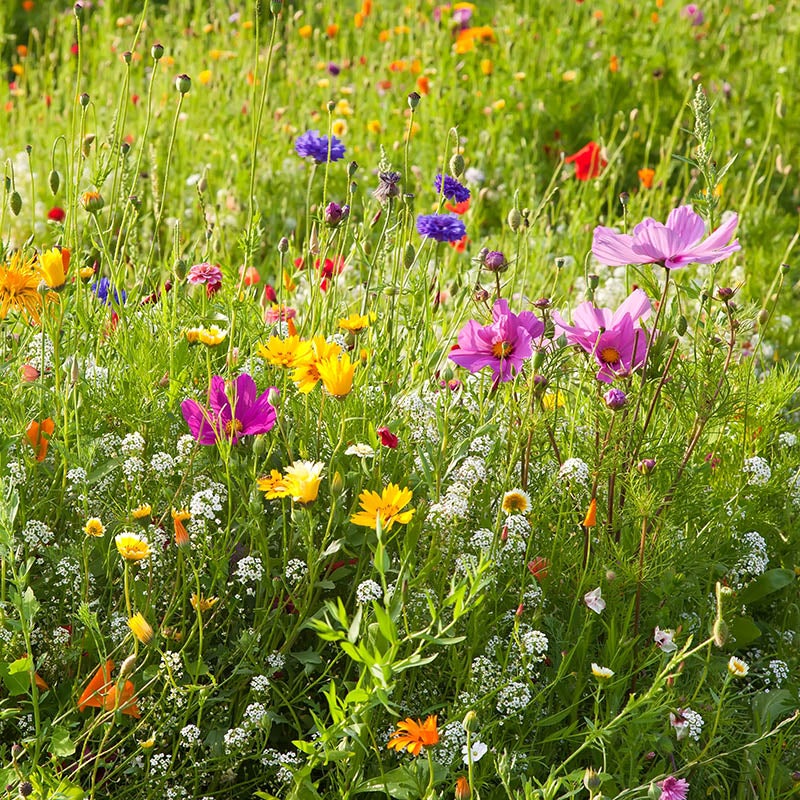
413 735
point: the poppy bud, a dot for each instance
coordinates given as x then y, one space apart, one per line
15 203
183 83
457 165
54 179
78 9
352 167
283 245
275 6
409 254
84 99
682 325
126 56
594 281
157 51
763 316
413 100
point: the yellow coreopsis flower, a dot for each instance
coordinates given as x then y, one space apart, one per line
142 512
212 336
385 506
306 374
140 628
302 480
132 547
356 323
94 527
19 281
202 604
337 375
285 352
274 485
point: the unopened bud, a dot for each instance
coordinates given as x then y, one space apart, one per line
681 326
126 56
54 179
15 203
409 254
591 780
470 721
157 51
272 396
413 100
313 242
78 9
260 445
352 168
84 99
720 632
183 83
125 148
127 667
514 219
337 483
283 245
646 466
763 316
594 281
330 106
457 165
623 198
275 6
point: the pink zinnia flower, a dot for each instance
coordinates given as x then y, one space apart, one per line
503 345
234 412
673 788
208 274
674 244
613 338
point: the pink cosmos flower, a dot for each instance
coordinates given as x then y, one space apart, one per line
674 244
594 600
235 411
613 338
673 788
208 274
503 345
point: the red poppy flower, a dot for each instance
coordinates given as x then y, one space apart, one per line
539 567
101 692
588 161
458 208
56 214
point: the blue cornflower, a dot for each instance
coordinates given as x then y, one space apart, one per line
441 227
101 289
316 146
453 190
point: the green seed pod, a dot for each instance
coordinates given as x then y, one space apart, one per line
157 51
409 254
15 203
54 179
457 165
514 219
183 83
682 325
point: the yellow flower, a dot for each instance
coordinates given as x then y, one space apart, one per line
339 127
356 323
205 77
516 502
343 108
305 32
212 336
413 735
306 374
192 335
374 126
552 400
142 511
201 604
274 485
86 273
284 352
602 673
487 67
132 547
18 288
737 667
53 265
179 516
337 375
141 628
94 527
302 480
385 506
148 744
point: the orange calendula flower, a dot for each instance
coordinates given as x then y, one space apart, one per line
38 434
463 791
179 516
413 735
467 38
19 281
385 506
646 176
590 520
102 692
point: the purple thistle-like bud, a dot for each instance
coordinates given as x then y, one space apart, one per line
387 186
495 261
615 399
646 466
334 213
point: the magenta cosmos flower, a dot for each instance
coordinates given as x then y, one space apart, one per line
502 345
674 244
673 788
612 338
235 411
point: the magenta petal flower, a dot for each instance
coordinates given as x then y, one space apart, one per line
673 788
613 338
235 411
674 244
503 345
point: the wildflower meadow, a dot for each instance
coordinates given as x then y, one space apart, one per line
399 400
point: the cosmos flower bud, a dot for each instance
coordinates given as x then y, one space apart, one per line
495 261
646 466
615 399
157 51
591 780
183 83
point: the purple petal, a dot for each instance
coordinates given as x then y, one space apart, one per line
613 249
260 416
531 323
198 420
589 318
687 225
657 243
636 305
243 394
218 399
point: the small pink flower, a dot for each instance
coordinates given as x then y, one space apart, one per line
208 274
388 439
663 639
673 788
594 601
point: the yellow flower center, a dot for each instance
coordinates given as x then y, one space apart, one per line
609 355
233 426
502 349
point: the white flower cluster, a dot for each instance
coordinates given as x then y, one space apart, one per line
779 672
209 502
482 539
694 723
184 446
132 468
575 470
172 663
236 739
249 570
296 570
39 352
534 644
755 559
787 439
452 737
517 525
420 410
259 684
190 735
162 464
482 446
254 714
513 698
37 534
367 591
471 471
132 444
274 758
454 506
757 471
160 764
275 662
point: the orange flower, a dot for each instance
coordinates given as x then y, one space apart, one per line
539 568
332 30
463 792
458 208
101 692
38 441
414 735
590 520
181 534
613 64
646 176
423 84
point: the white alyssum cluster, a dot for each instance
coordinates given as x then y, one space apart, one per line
757 470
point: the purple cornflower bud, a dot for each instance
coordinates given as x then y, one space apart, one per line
615 399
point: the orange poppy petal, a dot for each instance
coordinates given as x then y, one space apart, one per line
97 687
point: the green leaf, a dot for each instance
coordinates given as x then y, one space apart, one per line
20 665
60 743
765 584
768 706
17 683
743 631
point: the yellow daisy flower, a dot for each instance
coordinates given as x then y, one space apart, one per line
385 506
